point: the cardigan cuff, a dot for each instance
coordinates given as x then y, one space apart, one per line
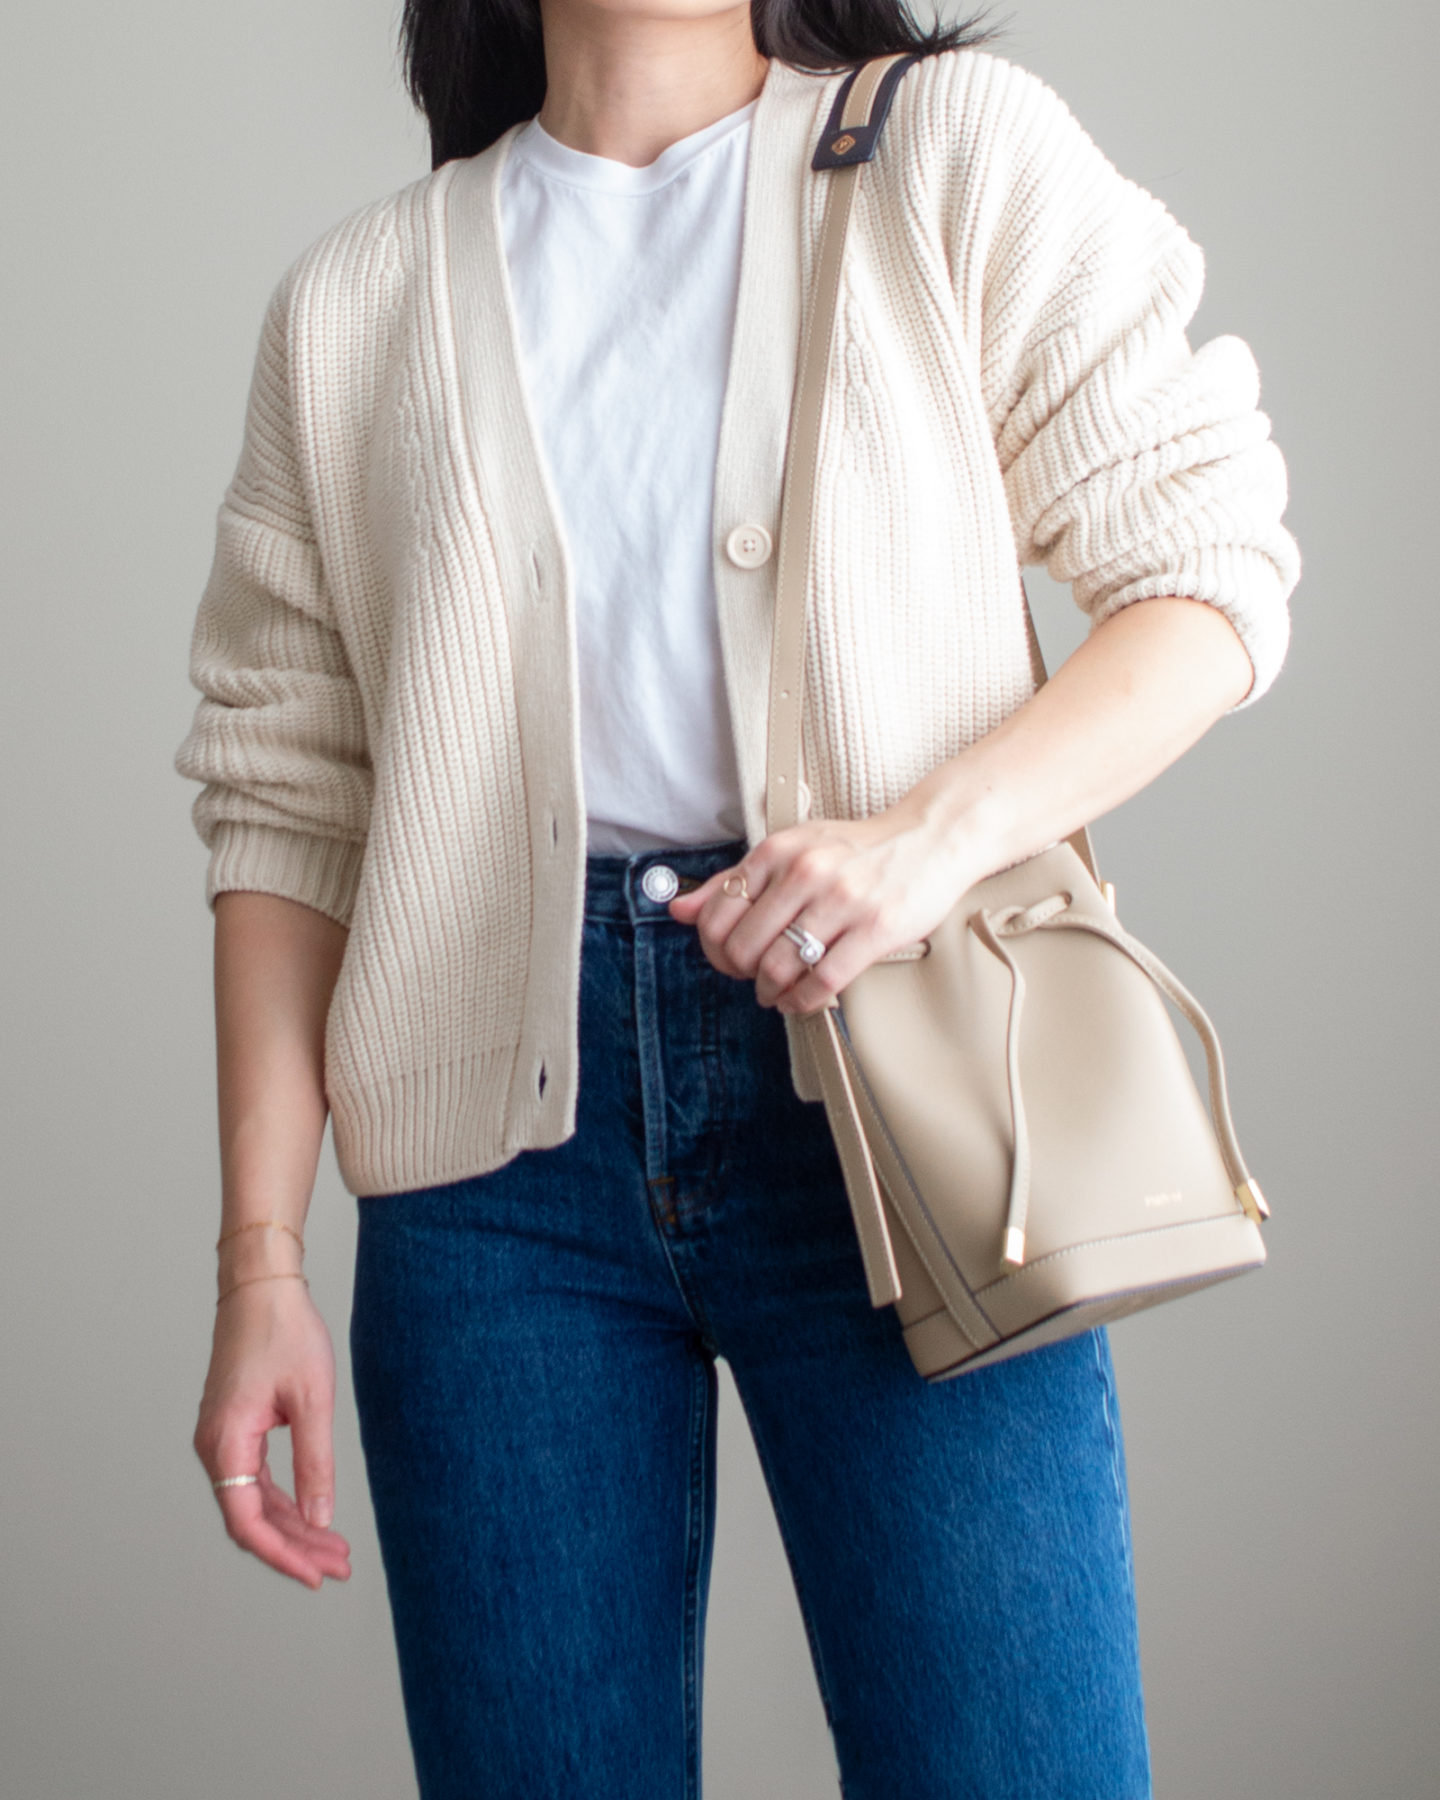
1243 584
269 859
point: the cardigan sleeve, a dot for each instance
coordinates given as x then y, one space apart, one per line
1134 466
278 737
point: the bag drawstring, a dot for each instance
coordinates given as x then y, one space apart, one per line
1054 914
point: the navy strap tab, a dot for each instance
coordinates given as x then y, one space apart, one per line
857 143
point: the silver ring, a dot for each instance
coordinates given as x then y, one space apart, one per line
809 946
236 1481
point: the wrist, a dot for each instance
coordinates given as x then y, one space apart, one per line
964 822
277 1286
262 1249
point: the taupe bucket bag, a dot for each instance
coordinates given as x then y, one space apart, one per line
1025 1152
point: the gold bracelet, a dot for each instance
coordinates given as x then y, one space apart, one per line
259 1225
278 1275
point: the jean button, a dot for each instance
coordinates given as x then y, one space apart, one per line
660 883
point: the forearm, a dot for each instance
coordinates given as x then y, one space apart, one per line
1136 694
276 962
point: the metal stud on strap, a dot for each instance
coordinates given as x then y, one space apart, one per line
848 141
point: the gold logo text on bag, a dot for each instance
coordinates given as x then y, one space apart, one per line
843 143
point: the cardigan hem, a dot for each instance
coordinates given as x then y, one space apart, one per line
432 1126
428 1129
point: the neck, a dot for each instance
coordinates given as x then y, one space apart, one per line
627 85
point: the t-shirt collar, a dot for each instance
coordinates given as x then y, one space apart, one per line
605 174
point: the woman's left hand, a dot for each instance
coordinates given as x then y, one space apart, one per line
864 887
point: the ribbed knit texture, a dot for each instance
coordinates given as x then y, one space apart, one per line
388 725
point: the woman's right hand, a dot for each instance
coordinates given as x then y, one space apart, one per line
271 1363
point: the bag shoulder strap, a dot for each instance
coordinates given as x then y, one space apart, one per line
848 141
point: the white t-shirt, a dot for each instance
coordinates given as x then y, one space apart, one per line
624 281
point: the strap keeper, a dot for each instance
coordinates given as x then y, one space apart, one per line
841 146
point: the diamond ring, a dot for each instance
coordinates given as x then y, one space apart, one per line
809 946
235 1481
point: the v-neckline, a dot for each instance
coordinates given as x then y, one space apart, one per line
480 345
483 316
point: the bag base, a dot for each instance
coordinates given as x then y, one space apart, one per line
940 1351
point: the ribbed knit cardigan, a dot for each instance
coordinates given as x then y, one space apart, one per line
388 725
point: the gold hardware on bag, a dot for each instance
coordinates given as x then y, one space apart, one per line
1255 1204
843 143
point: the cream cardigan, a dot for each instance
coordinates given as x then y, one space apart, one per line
385 647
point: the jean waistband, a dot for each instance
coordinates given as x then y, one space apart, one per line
639 888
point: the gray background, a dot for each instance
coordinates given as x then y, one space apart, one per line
162 163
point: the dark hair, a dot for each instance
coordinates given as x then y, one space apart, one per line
476 67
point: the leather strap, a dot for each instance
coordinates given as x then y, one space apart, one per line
802 453
1079 841
862 1184
850 136
856 116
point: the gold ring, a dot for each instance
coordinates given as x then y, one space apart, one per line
741 892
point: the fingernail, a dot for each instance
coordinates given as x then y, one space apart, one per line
319 1511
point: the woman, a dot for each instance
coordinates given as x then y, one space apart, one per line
483 662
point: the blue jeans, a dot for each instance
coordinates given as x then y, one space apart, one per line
534 1363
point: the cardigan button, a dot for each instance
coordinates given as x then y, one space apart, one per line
748 546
